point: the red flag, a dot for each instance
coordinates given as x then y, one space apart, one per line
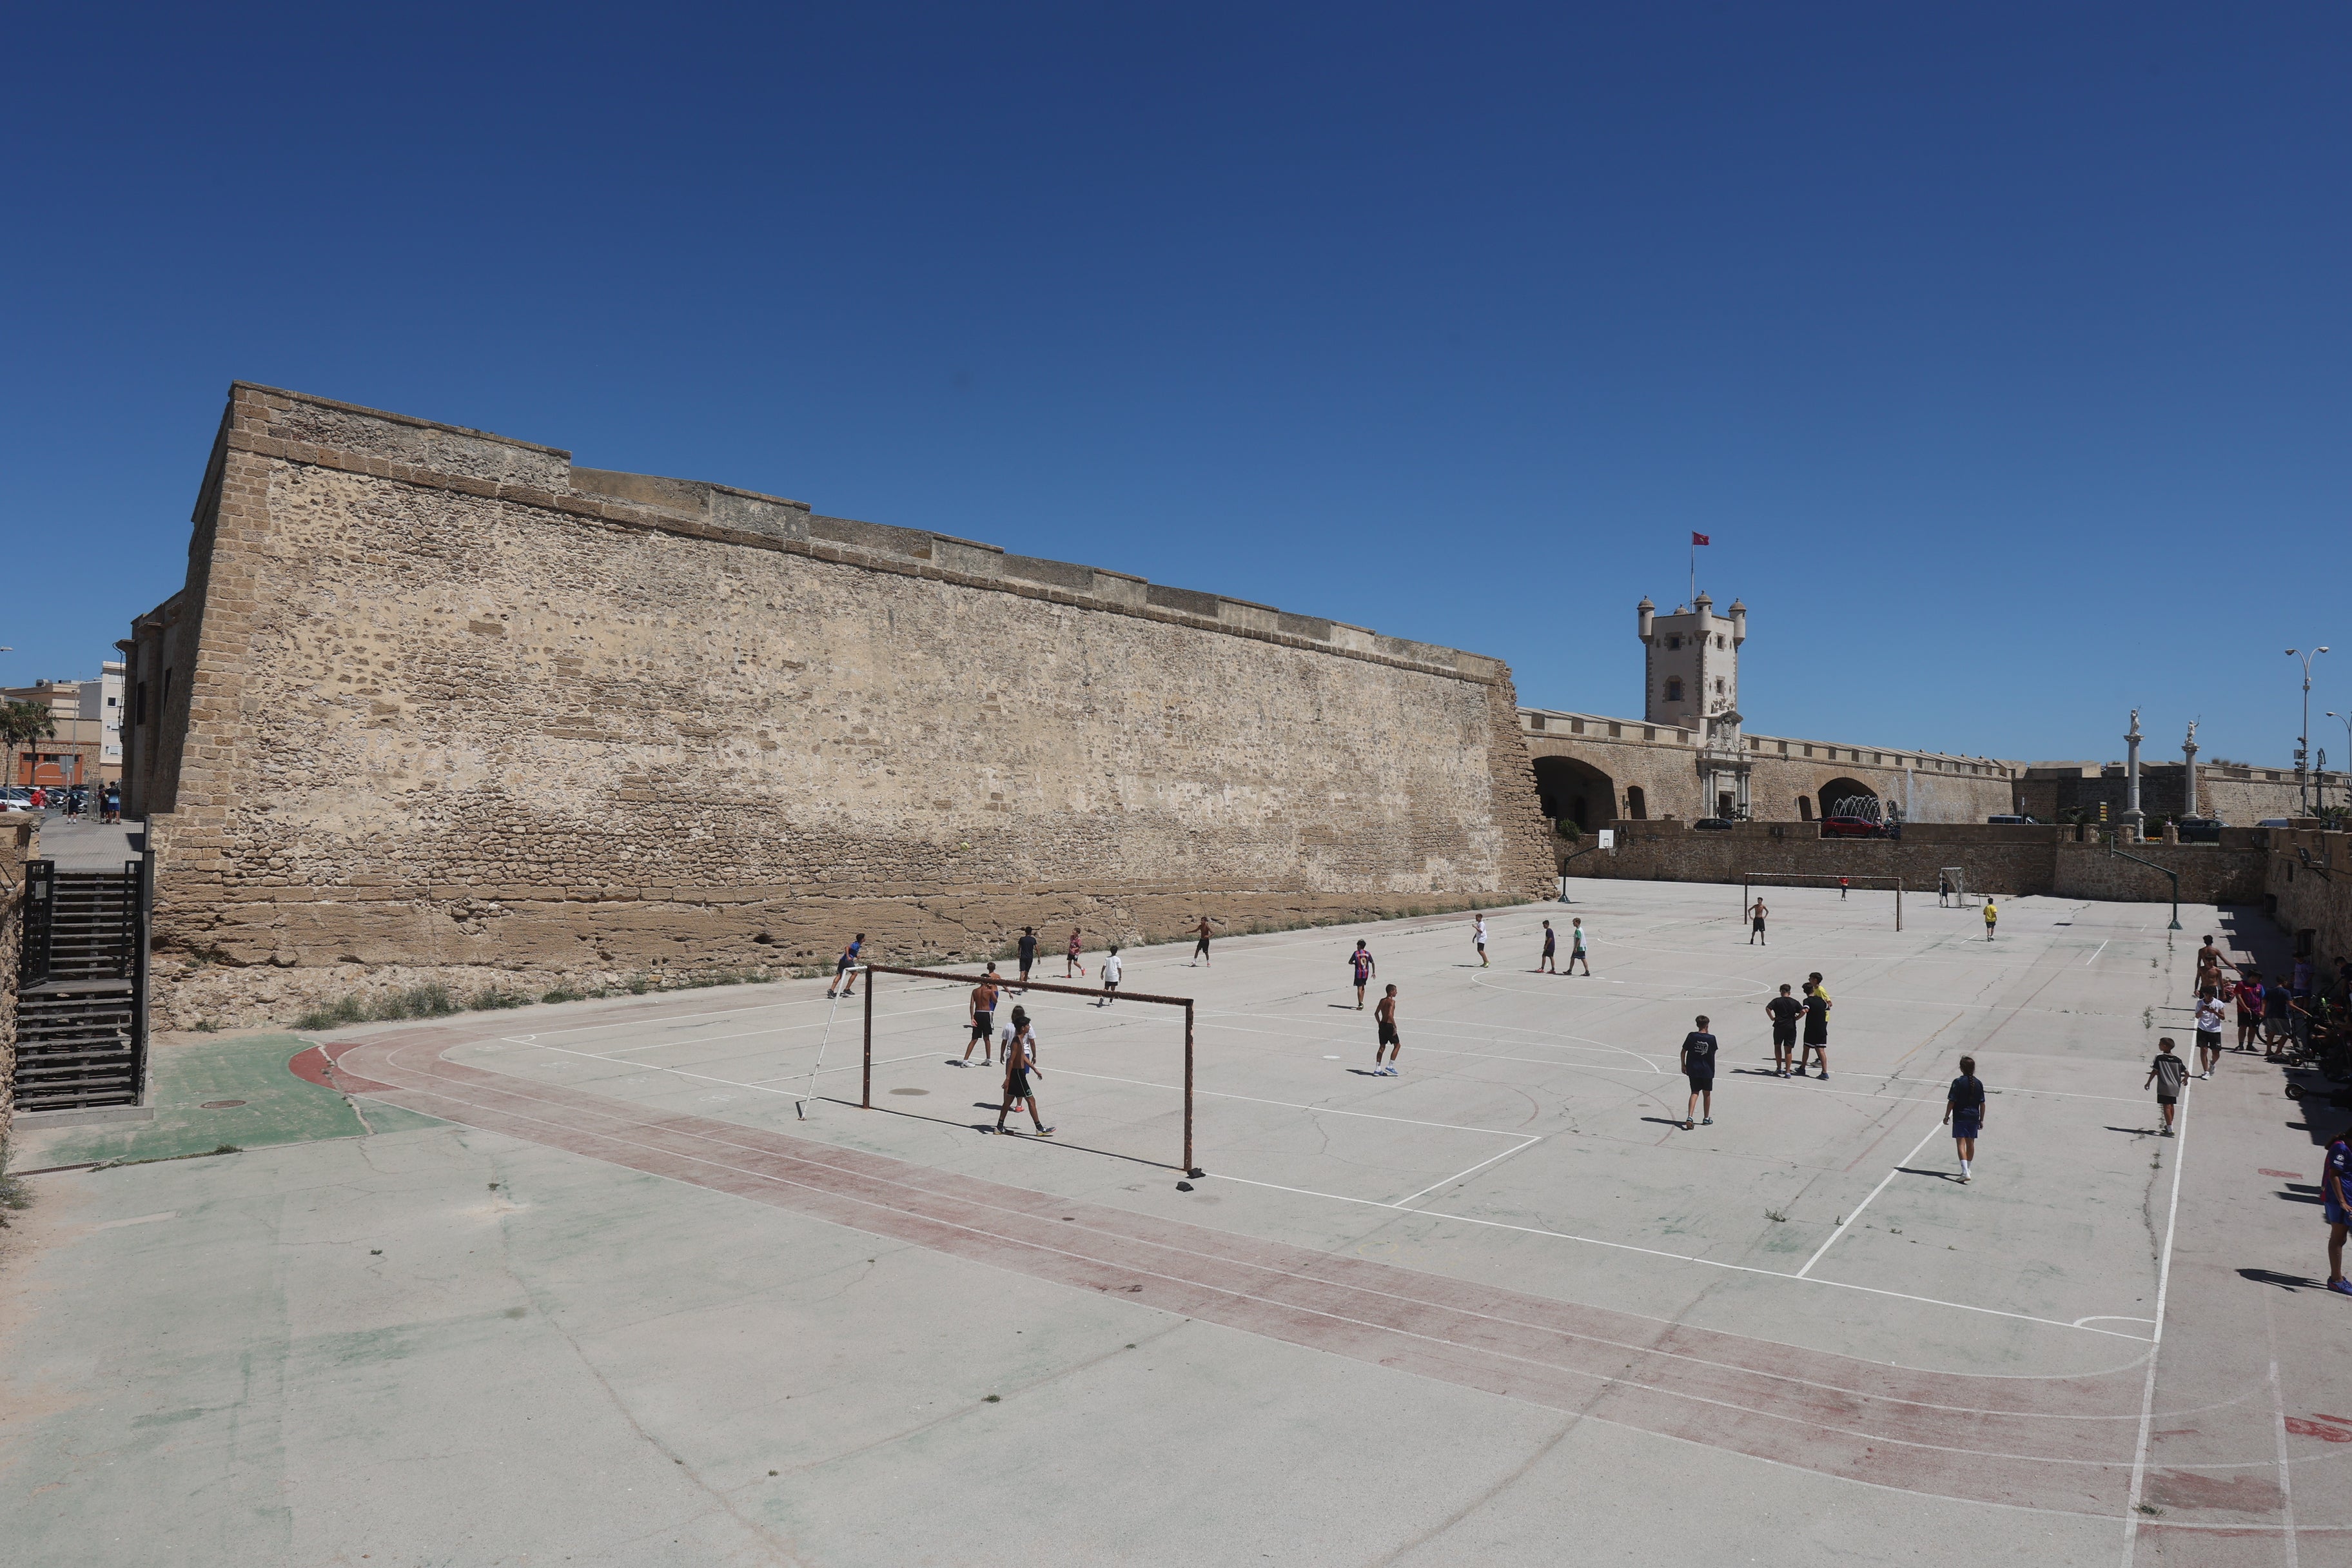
1698 538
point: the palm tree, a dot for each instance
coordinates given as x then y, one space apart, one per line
22 723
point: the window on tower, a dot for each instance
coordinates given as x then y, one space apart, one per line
1718 686
1674 643
1718 640
1675 689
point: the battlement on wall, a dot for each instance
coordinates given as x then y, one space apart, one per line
298 428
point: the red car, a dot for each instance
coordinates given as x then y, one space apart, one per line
1850 827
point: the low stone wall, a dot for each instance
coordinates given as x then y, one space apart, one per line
1996 859
20 840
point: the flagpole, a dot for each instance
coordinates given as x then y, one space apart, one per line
1693 554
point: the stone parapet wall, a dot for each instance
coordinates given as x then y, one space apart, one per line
1996 859
458 709
2310 875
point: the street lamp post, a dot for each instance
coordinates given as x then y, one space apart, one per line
2303 742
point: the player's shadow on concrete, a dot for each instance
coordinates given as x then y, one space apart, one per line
2297 1193
2137 1131
1673 1121
1367 1072
2284 1281
1951 1177
1344 1007
1751 1072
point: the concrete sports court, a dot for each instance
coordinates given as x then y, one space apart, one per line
623 1282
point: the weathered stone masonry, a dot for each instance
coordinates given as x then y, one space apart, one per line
435 703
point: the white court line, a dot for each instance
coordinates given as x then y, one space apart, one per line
2148 1394
1533 1139
1293 1105
1846 1224
2286 1485
1685 1258
2095 953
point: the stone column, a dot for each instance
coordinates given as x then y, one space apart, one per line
2188 779
2133 817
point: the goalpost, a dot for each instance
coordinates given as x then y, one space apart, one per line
1957 878
1751 881
1092 994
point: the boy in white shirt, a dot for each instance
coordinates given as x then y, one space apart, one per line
2209 1032
1110 971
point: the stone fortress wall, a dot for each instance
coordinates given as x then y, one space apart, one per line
437 703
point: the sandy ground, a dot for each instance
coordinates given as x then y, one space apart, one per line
639 1282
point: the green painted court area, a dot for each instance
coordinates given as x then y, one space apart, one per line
235 1092
641 1280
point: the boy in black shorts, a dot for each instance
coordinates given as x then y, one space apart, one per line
1699 1066
1020 1053
1028 949
1385 1016
984 1018
1784 1010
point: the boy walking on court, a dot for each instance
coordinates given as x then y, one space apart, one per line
1551 947
2168 1072
1111 970
1028 949
1361 964
1387 1039
984 1018
2335 1208
1993 917
846 964
1478 935
1964 1109
1071 964
1576 953
1699 1066
1840 890
1201 948
2209 1033
1755 913
1020 1048
1784 1010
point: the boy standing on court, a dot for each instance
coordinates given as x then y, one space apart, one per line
1478 935
1020 1048
1784 1010
1551 946
2335 1208
1699 1066
1964 1109
1817 1025
1384 1015
1576 953
1028 949
1755 913
1111 970
1201 947
1361 964
2168 1072
1993 917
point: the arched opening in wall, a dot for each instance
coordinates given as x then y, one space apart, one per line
1637 805
1849 797
1805 808
1576 791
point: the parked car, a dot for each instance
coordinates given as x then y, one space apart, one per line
2275 822
2016 821
1850 827
14 799
1712 824
2200 829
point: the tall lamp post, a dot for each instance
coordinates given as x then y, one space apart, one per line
2303 742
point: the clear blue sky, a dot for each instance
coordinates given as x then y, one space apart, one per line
2003 350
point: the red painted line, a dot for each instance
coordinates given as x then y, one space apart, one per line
2057 1443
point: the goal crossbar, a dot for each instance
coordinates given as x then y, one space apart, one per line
865 1099
1751 881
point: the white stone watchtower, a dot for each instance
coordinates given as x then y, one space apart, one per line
1691 680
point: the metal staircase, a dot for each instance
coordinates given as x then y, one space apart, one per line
81 1016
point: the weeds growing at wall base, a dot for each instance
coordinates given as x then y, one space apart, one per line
434 999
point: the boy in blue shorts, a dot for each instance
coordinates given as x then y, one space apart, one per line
2336 1201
